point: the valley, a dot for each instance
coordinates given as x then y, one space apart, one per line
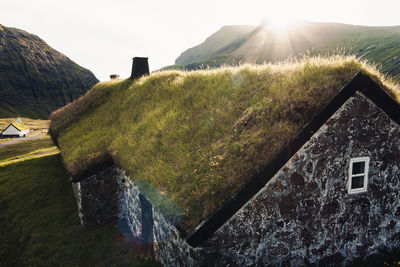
236 152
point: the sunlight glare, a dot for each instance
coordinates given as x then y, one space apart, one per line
281 24
278 18
278 24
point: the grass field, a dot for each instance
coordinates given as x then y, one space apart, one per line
38 214
39 223
26 148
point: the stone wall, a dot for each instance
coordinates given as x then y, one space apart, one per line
170 247
110 196
139 220
98 196
130 214
304 213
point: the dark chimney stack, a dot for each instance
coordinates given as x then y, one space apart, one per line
140 67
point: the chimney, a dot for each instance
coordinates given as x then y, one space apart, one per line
140 67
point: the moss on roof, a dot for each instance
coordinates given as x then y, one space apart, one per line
197 137
20 126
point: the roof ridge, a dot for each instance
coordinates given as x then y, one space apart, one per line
9 126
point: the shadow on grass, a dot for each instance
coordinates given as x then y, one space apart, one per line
40 227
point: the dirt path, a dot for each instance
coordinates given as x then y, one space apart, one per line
16 140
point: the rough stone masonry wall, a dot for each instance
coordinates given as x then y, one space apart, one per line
109 196
170 247
98 196
167 244
304 213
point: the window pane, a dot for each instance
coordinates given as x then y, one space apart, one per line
358 167
357 182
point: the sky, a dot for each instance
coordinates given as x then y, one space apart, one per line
103 36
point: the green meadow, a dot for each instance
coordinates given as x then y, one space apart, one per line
26 149
38 215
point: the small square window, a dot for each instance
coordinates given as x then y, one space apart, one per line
358 175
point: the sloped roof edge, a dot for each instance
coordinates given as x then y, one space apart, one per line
9 126
360 82
106 162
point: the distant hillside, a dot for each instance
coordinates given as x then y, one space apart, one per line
216 44
35 79
235 44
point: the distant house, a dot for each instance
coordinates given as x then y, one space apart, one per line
17 130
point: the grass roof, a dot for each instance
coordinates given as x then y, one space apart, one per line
32 124
20 126
192 139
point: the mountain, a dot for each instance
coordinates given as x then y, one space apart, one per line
215 45
35 79
264 43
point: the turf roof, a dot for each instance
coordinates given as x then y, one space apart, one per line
192 139
19 126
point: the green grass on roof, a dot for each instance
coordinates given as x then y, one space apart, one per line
198 137
32 124
20 126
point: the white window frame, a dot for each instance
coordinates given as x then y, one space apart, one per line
351 175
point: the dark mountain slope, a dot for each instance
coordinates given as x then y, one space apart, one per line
380 45
35 79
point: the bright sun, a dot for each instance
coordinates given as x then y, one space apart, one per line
279 24
279 16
